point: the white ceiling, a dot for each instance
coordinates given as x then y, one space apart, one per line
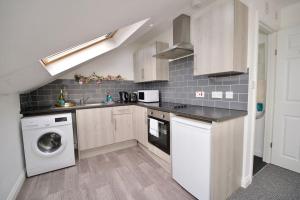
32 29
284 3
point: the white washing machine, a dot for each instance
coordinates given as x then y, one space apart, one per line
48 143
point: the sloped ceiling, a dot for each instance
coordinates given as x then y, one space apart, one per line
32 29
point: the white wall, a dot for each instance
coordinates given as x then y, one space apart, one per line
290 16
118 61
164 35
268 12
11 156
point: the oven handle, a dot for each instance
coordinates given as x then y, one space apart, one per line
160 122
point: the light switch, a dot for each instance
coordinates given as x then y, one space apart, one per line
229 95
217 95
200 94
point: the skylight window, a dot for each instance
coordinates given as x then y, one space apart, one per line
67 59
62 54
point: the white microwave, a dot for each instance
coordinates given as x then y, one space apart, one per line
148 96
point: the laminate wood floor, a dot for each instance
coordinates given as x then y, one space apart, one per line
128 174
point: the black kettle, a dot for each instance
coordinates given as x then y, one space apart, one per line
124 97
133 97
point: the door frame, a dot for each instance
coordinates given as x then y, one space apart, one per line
270 93
249 131
270 90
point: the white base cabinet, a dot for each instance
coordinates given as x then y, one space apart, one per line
207 157
191 146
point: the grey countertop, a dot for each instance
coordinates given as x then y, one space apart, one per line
208 114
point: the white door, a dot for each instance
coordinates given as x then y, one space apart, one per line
286 135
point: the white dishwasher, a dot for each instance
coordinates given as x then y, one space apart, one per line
191 153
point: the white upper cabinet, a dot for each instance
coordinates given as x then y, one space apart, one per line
220 36
148 68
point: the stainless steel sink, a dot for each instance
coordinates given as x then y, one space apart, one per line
95 104
87 105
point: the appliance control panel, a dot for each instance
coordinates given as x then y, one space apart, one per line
159 114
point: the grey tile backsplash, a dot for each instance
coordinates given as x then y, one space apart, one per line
180 88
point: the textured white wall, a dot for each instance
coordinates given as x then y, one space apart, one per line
290 16
11 149
268 11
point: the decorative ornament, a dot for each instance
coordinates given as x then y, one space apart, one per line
94 77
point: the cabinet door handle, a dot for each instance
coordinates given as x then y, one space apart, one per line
115 125
126 110
143 74
111 116
146 118
196 70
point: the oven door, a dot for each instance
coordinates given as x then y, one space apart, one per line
159 133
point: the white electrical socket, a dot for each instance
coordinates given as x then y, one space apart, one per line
200 94
229 95
217 95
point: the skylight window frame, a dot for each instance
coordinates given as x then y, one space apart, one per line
62 54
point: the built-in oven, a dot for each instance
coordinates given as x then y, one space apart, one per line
159 129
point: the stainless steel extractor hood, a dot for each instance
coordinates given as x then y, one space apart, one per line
181 39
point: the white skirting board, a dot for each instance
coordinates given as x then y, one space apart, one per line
246 181
17 187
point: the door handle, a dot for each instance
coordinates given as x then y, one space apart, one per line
115 125
158 121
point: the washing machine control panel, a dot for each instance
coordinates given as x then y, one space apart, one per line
46 121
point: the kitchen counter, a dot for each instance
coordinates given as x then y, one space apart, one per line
203 113
190 111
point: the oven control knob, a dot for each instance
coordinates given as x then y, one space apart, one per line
163 116
151 113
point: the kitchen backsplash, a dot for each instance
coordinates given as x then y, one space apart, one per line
180 88
47 95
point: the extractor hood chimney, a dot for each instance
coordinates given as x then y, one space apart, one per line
181 39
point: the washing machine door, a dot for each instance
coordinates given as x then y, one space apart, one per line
49 143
